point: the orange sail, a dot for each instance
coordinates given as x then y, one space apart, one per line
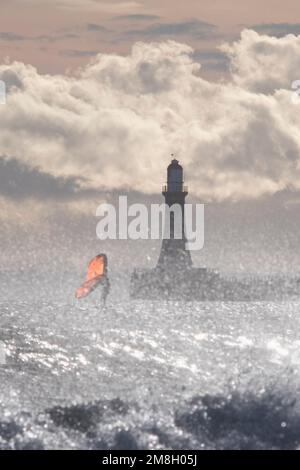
96 272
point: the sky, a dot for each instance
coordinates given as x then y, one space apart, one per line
56 35
99 94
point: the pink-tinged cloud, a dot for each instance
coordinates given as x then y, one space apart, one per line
117 120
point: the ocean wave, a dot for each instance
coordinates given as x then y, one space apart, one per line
268 420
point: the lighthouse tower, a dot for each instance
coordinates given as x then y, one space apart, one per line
174 254
174 276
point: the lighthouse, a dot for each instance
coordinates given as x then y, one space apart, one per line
173 251
173 277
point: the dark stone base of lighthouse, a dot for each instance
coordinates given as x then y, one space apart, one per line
174 277
161 284
201 284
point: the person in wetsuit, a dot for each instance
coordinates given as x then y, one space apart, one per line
105 289
105 283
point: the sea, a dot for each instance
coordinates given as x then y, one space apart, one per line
141 374
149 375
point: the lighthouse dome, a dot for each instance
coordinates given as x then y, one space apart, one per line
175 176
174 164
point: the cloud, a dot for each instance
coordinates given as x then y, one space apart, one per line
97 28
8 36
192 28
11 80
277 29
110 6
212 60
137 17
75 53
18 181
117 120
262 64
55 37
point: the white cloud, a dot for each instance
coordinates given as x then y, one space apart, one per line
109 6
263 63
120 118
117 6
